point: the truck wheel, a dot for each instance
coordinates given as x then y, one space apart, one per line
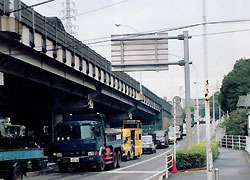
17 173
101 165
128 156
114 165
119 159
62 168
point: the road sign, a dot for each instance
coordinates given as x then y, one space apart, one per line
177 100
139 52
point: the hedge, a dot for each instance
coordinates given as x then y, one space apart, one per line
195 157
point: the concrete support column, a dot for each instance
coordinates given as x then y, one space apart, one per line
166 121
56 118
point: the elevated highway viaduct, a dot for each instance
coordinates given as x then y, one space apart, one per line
48 73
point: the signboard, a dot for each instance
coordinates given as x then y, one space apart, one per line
139 52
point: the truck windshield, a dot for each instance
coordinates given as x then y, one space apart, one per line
76 132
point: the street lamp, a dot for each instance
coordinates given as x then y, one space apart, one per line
119 25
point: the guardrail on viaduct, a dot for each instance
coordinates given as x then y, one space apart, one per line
48 36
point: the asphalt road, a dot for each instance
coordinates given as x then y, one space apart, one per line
147 167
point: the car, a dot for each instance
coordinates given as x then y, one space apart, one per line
148 144
171 137
202 121
177 131
162 138
184 132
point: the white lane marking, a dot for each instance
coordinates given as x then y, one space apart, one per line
156 174
131 172
142 161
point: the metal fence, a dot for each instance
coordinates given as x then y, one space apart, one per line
233 141
169 163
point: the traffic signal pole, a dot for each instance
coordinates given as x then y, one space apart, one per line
187 90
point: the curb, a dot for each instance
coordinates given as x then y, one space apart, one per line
247 155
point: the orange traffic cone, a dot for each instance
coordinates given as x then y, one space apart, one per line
174 169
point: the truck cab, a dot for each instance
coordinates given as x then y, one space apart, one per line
82 139
132 136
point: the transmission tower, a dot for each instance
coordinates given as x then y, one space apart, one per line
68 15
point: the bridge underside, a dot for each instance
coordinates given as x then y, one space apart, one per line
31 95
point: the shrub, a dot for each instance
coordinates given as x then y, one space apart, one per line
195 157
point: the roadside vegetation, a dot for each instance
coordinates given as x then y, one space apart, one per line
235 84
236 124
195 157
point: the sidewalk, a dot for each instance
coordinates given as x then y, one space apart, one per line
232 165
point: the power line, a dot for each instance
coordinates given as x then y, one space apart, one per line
38 4
223 32
97 9
174 29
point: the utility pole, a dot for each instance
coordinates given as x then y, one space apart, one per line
187 90
207 113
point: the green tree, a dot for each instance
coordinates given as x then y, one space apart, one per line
235 84
237 123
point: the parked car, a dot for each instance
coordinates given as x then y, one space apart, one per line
162 138
171 137
148 144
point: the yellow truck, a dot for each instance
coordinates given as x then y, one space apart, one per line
132 136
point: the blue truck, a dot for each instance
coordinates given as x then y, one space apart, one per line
14 163
18 154
82 141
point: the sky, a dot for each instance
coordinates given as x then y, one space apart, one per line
226 42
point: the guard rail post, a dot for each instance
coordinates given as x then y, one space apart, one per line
216 170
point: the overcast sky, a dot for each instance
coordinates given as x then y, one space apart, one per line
152 15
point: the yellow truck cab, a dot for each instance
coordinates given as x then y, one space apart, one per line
132 136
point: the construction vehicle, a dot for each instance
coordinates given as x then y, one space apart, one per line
18 155
82 140
132 136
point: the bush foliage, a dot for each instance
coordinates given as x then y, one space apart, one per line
195 157
237 123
